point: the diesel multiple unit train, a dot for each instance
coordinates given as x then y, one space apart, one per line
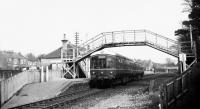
109 70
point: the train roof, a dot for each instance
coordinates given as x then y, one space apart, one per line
111 54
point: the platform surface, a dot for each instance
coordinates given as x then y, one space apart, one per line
40 91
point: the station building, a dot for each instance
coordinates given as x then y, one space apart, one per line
54 58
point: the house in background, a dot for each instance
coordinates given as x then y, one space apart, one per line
33 65
10 60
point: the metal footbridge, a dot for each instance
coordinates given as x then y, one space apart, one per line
125 38
129 38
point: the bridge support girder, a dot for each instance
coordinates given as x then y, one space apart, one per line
71 69
85 66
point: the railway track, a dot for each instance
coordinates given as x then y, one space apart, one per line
133 88
58 101
70 97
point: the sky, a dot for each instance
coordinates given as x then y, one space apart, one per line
37 26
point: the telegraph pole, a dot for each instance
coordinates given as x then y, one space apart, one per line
76 43
191 39
194 44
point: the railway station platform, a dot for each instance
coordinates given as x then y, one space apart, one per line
40 91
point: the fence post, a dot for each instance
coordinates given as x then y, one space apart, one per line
152 82
88 67
42 74
0 92
163 94
47 73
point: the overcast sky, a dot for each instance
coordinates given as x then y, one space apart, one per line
38 26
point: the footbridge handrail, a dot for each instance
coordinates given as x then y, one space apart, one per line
134 37
150 32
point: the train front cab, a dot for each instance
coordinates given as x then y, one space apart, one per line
102 70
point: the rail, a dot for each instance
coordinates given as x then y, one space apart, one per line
72 93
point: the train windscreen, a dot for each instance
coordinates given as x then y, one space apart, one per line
99 62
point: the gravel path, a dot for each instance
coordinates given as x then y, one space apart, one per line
127 97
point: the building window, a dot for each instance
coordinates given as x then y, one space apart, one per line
9 60
15 61
21 61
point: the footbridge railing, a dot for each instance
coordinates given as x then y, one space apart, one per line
129 38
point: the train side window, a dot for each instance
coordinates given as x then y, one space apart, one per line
109 63
102 63
120 61
93 63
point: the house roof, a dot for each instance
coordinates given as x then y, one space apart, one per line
10 54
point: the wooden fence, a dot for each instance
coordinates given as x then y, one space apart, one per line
173 90
8 73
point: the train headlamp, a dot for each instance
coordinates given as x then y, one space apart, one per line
101 72
111 72
93 72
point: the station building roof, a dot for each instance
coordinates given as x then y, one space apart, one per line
54 54
57 53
